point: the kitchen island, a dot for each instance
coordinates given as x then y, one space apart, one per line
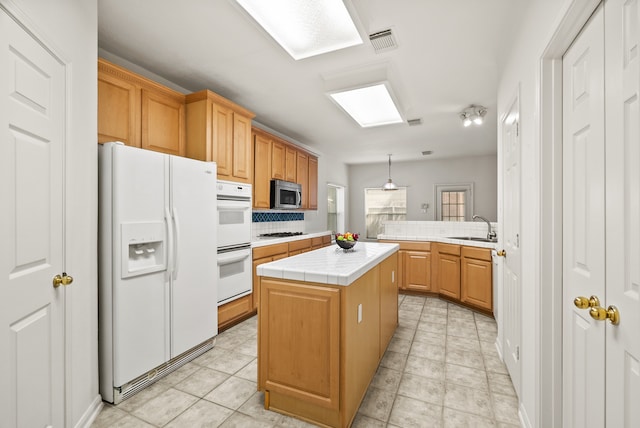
324 322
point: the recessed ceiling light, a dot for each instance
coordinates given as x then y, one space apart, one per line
305 28
370 105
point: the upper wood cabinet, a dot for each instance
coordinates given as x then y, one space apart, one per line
302 172
219 130
313 183
138 111
274 158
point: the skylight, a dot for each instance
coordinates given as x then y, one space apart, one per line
369 106
305 28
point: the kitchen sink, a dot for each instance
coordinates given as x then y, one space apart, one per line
473 238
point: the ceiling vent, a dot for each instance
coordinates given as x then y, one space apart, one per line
383 41
414 122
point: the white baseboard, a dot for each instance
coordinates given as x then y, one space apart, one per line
91 413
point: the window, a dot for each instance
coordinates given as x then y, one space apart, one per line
381 205
454 202
335 208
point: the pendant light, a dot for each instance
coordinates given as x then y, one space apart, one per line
389 185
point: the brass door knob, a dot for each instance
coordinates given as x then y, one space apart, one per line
611 313
63 279
502 253
584 303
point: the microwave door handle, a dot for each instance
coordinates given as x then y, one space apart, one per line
298 198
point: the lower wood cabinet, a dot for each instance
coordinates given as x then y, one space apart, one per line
476 274
449 270
458 272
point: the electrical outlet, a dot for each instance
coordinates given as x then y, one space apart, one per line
359 313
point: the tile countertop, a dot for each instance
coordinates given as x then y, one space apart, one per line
261 242
329 265
443 239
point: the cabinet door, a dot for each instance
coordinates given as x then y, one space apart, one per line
242 160
256 281
221 139
418 270
162 123
477 283
302 172
313 183
449 275
262 171
290 167
277 160
388 300
118 110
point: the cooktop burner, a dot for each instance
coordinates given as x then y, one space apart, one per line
279 234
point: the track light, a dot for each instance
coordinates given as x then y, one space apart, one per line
473 114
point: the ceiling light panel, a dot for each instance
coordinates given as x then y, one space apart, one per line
305 28
369 106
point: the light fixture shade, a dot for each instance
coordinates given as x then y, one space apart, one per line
389 185
305 28
369 105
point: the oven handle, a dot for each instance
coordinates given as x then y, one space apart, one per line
233 205
233 258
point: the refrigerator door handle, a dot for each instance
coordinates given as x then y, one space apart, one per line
169 243
176 254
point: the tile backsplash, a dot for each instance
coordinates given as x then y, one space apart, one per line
276 221
436 228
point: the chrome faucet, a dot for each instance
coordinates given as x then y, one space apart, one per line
490 234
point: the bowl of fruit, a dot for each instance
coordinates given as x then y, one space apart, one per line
346 240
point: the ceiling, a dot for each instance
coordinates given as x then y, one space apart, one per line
449 55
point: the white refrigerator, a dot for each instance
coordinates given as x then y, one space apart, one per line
157 265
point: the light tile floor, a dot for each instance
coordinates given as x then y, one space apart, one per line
441 369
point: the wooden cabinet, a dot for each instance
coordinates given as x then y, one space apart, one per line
302 173
233 312
138 111
313 183
290 164
477 279
274 158
388 301
449 270
219 130
262 170
300 246
418 270
278 160
262 255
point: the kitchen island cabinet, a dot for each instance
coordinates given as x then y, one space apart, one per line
325 319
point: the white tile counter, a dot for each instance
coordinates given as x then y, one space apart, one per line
329 265
261 242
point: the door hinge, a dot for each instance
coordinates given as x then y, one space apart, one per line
517 353
517 129
517 240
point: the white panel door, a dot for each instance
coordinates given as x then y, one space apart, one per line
511 311
622 343
583 225
194 295
32 119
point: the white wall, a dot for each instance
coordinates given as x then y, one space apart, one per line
420 177
71 29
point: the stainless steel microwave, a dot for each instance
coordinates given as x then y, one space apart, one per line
285 195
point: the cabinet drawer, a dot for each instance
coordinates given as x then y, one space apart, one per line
302 244
477 253
316 242
326 239
270 250
449 249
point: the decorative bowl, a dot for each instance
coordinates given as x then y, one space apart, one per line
347 245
